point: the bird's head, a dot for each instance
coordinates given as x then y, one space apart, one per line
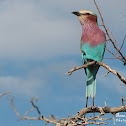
84 15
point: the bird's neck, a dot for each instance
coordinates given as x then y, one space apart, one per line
89 28
89 25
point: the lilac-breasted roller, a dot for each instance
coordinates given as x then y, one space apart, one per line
92 44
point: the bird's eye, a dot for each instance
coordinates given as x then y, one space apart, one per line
88 14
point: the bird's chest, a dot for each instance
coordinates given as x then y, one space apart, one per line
92 35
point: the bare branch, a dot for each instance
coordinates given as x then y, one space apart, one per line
114 55
36 107
113 38
26 113
123 42
80 67
4 93
106 73
79 118
99 110
32 118
17 113
101 64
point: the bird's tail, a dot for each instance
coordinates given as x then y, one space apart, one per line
90 87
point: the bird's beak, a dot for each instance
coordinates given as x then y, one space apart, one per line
77 13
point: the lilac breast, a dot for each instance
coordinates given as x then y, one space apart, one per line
92 34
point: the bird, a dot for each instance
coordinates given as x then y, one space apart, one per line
92 46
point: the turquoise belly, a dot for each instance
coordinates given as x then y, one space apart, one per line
93 52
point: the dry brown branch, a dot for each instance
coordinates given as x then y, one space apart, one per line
123 42
111 58
4 93
26 113
79 118
30 118
36 107
114 42
99 110
114 55
46 123
106 73
101 64
113 38
15 110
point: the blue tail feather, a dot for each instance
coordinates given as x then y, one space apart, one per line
91 86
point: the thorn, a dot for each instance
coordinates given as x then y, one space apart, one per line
52 117
68 115
74 68
106 74
105 104
122 101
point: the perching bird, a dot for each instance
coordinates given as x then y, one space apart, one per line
92 44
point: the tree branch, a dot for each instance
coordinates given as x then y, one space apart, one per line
31 118
4 93
123 42
79 118
101 64
101 110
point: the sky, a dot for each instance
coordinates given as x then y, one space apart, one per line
39 42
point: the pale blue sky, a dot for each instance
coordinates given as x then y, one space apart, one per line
39 42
